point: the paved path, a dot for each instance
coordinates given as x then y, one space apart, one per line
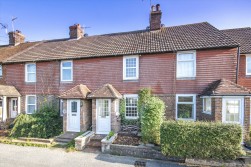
13 156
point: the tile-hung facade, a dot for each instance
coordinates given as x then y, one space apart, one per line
88 75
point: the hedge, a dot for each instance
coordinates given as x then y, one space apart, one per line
201 140
44 123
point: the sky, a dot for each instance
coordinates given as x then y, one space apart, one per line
50 19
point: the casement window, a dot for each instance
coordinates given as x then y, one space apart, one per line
30 104
131 106
233 110
185 106
30 72
207 105
186 64
1 71
130 67
66 71
248 65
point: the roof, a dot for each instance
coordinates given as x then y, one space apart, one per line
242 36
77 92
106 91
225 87
167 39
6 51
9 91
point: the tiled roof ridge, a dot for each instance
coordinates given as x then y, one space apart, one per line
240 28
112 89
82 91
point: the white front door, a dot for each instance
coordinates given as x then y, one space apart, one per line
103 115
13 107
73 115
233 110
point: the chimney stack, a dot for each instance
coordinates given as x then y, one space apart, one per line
155 17
16 37
76 31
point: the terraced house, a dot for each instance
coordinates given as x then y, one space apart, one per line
196 69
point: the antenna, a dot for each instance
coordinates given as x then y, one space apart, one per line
12 21
4 26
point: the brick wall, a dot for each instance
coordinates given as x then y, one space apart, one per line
243 79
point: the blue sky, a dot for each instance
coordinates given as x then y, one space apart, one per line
50 19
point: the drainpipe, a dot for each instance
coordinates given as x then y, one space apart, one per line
238 63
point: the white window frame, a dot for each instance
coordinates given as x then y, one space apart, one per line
247 56
137 67
27 73
177 62
61 70
128 96
241 122
194 103
26 103
204 110
1 70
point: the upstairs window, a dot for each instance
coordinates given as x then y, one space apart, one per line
186 64
66 71
248 65
207 105
130 67
131 104
1 71
30 72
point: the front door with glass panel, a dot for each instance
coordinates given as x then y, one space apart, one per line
73 115
232 110
13 107
103 116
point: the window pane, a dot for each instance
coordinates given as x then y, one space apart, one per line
185 56
74 106
31 77
131 107
31 109
233 110
248 64
31 68
131 72
131 62
185 98
1 71
31 99
66 64
186 69
67 74
207 104
185 111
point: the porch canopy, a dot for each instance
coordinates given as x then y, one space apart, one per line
9 91
224 87
77 92
106 91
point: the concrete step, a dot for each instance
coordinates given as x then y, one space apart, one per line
60 140
92 149
94 144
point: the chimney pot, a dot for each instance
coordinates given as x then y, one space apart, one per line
76 31
16 37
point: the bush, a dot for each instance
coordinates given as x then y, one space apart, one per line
44 123
152 114
201 140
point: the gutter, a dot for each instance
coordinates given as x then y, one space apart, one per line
238 64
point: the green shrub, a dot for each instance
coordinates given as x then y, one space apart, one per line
44 123
201 139
152 116
110 135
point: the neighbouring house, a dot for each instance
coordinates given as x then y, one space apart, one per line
193 68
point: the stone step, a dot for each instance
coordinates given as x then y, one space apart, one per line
94 144
62 140
96 150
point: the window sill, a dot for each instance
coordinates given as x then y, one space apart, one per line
185 119
208 113
132 118
66 82
29 82
130 80
185 78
